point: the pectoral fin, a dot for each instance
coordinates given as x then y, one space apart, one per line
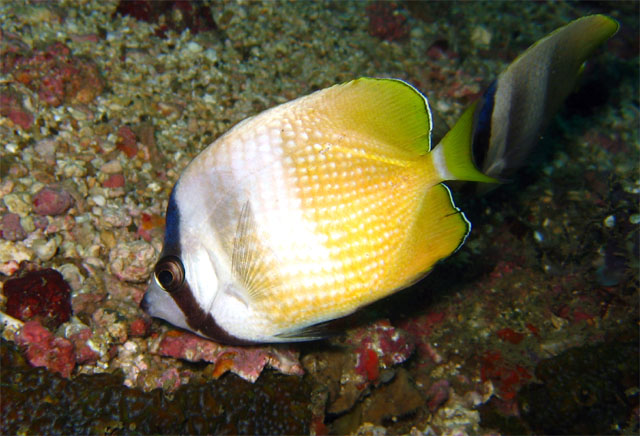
251 260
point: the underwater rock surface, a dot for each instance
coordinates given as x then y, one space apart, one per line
34 401
585 390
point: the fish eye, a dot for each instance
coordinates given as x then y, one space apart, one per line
169 273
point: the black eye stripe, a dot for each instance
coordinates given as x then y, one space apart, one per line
169 273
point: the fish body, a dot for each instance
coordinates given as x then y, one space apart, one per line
310 211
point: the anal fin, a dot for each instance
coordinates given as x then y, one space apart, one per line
438 230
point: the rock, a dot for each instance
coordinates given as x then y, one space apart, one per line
46 148
10 227
72 275
112 322
132 261
11 254
114 181
52 200
42 295
376 348
397 399
45 349
115 217
17 204
44 250
111 167
246 362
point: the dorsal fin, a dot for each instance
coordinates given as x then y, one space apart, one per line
389 110
250 259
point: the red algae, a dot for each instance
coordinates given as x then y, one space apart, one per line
368 364
510 335
42 295
114 181
507 378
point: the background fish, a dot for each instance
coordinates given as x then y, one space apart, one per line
515 109
317 207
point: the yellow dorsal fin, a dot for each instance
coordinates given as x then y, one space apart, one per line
250 259
389 111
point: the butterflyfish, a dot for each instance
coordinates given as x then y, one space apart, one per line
515 108
315 208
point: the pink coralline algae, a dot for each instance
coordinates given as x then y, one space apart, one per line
10 227
45 349
379 346
42 295
11 107
54 74
386 21
83 352
438 394
52 200
246 362
421 328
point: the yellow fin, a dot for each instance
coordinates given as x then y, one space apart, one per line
250 259
439 229
389 111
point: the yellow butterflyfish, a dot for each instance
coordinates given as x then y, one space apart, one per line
317 207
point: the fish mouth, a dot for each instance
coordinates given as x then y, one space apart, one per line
160 304
144 304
